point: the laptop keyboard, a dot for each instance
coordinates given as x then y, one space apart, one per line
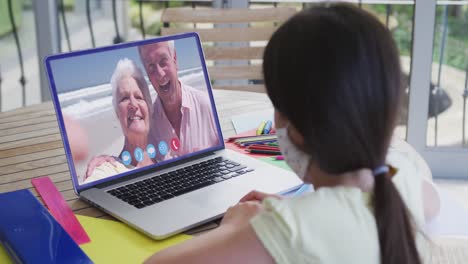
166 186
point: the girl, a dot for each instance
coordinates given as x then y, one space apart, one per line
333 75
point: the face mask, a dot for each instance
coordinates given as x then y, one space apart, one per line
295 158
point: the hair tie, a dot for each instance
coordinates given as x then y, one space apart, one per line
381 170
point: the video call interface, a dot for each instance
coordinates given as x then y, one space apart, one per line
138 106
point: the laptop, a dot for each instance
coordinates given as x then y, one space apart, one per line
156 155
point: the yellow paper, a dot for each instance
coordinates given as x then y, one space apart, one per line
4 257
115 242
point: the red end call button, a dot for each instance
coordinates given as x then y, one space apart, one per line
175 144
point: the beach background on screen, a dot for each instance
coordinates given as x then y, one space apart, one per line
85 93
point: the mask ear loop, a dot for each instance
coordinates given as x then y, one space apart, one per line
286 129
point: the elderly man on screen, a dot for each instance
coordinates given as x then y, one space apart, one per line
182 120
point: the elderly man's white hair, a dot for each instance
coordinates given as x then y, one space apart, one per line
127 68
170 44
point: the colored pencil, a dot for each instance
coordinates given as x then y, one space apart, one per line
263 147
240 138
260 128
254 138
267 149
262 142
259 141
267 128
259 151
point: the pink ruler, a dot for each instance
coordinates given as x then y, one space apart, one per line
59 208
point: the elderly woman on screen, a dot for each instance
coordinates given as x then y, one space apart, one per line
131 100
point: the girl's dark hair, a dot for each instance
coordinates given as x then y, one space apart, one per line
335 73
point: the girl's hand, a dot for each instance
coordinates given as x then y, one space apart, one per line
235 241
258 196
240 214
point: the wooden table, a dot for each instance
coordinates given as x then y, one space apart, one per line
31 145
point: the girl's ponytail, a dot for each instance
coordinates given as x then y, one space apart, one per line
395 229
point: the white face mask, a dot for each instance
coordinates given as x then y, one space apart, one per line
295 158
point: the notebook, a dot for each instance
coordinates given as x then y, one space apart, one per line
29 234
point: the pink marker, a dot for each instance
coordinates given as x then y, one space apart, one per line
279 157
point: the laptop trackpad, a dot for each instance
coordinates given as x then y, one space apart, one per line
216 199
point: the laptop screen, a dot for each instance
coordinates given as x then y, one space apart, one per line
139 105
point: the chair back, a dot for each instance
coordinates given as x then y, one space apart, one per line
233 40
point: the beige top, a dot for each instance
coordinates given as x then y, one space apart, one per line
336 225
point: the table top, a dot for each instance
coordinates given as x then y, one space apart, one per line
31 145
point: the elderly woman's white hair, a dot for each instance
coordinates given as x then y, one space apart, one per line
127 68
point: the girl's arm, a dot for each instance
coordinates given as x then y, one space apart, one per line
234 241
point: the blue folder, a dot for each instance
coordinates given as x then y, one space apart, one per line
30 234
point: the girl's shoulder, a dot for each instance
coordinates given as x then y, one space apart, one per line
336 224
330 225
